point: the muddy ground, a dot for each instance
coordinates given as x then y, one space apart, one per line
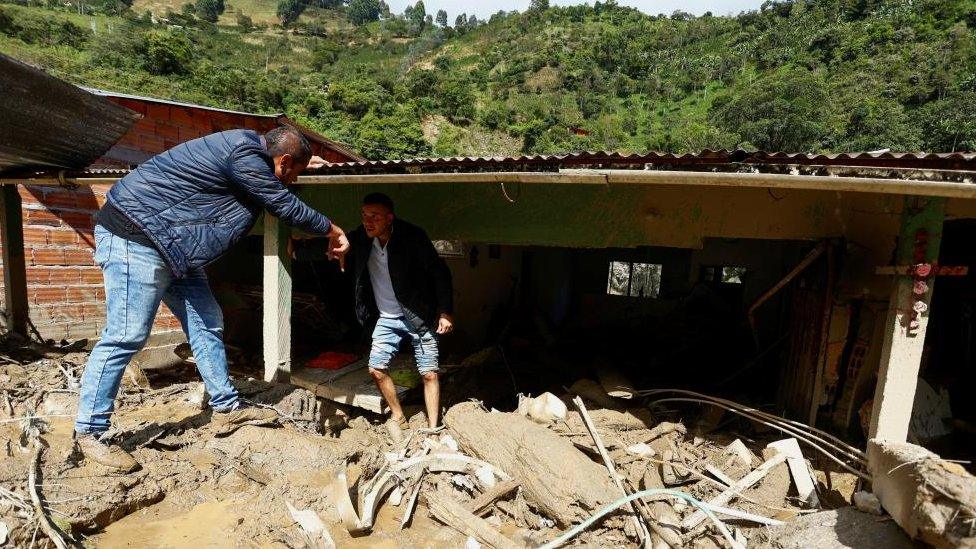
195 489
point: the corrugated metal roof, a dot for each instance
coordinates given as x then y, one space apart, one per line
707 159
46 122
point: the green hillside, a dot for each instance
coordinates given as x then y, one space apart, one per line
817 75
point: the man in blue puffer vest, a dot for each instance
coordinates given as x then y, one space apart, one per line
160 226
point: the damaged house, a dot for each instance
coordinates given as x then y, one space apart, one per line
719 323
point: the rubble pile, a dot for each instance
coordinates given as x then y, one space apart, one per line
575 466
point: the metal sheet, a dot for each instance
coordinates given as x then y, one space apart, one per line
46 122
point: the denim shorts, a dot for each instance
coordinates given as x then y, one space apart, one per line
391 333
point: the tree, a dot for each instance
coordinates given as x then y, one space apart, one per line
290 10
441 18
244 22
361 12
166 52
461 22
539 5
784 111
415 16
188 10
209 10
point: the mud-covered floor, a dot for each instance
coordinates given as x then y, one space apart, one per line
195 489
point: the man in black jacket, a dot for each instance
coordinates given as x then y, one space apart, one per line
405 287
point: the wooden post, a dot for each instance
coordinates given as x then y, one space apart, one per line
901 354
14 266
277 301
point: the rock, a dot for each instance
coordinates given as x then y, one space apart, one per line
546 408
641 450
867 502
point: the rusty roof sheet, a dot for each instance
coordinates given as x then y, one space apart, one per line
707 159
46 122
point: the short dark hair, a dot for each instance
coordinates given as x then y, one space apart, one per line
378 198
288 140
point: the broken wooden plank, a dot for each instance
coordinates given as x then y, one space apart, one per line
457 517
745 482
47 526
310 523
642 531
719 474
482 504
798 470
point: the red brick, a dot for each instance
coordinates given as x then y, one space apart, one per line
91 276
64 275
47 256
47 294
167 131
30 194
75 256
60 199
157 111
77 220
85 328
62 236
35 236
84 294
43 217
38 275
132 104
92 311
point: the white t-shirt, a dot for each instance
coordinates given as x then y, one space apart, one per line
379 277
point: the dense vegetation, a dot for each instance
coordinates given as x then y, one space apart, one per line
811 75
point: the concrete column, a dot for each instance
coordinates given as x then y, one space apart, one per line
276 301
901 354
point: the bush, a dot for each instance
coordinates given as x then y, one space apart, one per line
166 52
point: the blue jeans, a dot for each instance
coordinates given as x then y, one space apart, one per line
136 280
390 333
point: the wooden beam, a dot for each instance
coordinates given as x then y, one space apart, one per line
901 353
276 301
14 265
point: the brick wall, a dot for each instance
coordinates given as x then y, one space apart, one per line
64 286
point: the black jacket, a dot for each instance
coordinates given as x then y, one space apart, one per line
421 279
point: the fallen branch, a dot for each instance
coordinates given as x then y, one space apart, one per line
47 526
457 517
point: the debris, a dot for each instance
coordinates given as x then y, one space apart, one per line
472 543
644 534
412 502
4 532
555 476
593 392
665 428
377 487
798 470
396 496
742 515
743 483
641 450
717 473
930 498
47 526
482 504
462 481
867 502
454 515
742 454
485 477
448 442
931 413
544 408
614 382
313 525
